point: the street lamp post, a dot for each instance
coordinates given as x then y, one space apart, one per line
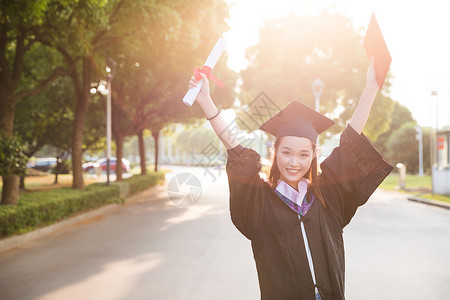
317 89
111 70
433 148
419 137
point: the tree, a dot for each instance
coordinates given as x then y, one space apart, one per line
45 119
151 82
195 140
403 147
399 143
19 23
400 115
295 50
12 159
83 32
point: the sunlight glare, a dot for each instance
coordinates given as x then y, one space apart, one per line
417 38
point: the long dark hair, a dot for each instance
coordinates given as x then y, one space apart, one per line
312 175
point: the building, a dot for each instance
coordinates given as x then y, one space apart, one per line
441 169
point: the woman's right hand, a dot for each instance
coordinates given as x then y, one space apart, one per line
213 114
203 95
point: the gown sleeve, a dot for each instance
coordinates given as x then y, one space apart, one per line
246 189
351 174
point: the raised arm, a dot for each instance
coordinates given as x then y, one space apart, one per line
213 114
365 103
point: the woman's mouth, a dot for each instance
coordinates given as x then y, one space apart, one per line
293 172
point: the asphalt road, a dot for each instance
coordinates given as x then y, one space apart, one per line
156 248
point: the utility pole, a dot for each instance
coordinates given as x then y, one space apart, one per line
111 70
419 137
433 146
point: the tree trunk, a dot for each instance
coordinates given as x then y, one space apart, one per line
6 112
10 190
22 183
119 154
116 120
83 98
142 152
56 169
77 144
155 135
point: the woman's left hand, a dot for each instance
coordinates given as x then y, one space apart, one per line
371 80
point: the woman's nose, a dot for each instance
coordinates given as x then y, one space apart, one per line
295 162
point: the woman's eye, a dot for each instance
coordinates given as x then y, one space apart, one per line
305 155
285 153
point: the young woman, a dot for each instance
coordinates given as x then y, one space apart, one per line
295 220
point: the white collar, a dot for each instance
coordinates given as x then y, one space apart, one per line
290 193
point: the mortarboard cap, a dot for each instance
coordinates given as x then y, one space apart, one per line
376 46
297 119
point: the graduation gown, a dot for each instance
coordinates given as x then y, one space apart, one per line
349 176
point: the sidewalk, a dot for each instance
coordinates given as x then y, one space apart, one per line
17 240
429 202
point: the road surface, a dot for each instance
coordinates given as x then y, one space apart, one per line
155 249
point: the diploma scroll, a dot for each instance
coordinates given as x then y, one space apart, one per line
211 61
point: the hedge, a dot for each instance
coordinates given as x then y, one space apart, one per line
43 208
135 184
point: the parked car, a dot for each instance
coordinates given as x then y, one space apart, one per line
91 167
42 164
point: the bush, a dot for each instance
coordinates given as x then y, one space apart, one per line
43 208
138 183
12 158
63 167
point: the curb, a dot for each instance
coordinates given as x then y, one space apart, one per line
17 240
429 202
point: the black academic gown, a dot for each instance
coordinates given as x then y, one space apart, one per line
349 176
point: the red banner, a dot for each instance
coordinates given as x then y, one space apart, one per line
440 143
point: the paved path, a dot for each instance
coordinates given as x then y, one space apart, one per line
152 249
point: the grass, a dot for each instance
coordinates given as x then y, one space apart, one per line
414 185
46 181
42 183
411 182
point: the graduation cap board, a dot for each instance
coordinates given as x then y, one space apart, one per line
297 119
376 46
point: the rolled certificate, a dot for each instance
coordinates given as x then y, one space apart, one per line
211 61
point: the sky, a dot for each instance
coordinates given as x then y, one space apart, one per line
417 34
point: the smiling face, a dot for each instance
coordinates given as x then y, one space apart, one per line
294 156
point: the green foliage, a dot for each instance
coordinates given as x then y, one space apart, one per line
154 69
12 158
46 118
23 11
94 134
402 146
43 208
19 17
400 115
399 143
195 140
380 117
63 167
39 62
